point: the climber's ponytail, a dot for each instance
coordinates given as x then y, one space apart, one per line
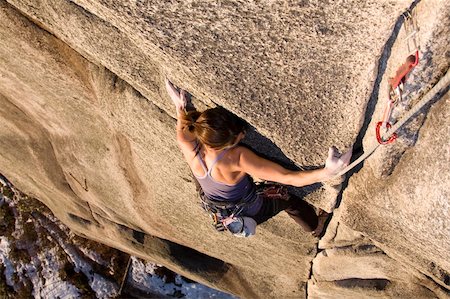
216 127
190 118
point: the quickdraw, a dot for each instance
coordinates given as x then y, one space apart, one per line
396 83
379 137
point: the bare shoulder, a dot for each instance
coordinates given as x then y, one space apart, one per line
242 154
232 160
251 162
241 150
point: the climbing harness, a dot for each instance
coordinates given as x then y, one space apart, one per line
221 210
396 83
229 212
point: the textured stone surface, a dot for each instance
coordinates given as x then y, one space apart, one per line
87 129
400 199
408 211
66 122
365 270
288 68
283 66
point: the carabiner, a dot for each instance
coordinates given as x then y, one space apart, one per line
379 137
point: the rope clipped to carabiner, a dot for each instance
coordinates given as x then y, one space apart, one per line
396 83
443 83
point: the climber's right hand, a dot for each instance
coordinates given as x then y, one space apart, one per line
336 161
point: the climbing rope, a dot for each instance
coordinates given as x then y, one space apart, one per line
396 83
443 83
396 90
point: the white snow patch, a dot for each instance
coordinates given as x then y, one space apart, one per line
200 291
4 246
5 200
93 256
54 287
33 274
101 286
4 259
142 276
62 227
3 181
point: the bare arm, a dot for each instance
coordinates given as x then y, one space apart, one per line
183 134
185 139
264 169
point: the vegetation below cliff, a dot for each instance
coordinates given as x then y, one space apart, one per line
41 258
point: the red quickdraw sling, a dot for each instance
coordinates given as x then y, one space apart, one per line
396 83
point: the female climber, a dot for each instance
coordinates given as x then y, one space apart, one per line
209 141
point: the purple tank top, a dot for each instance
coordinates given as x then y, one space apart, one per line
244 189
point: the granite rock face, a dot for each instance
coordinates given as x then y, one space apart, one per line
399 200
42 258
87 129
